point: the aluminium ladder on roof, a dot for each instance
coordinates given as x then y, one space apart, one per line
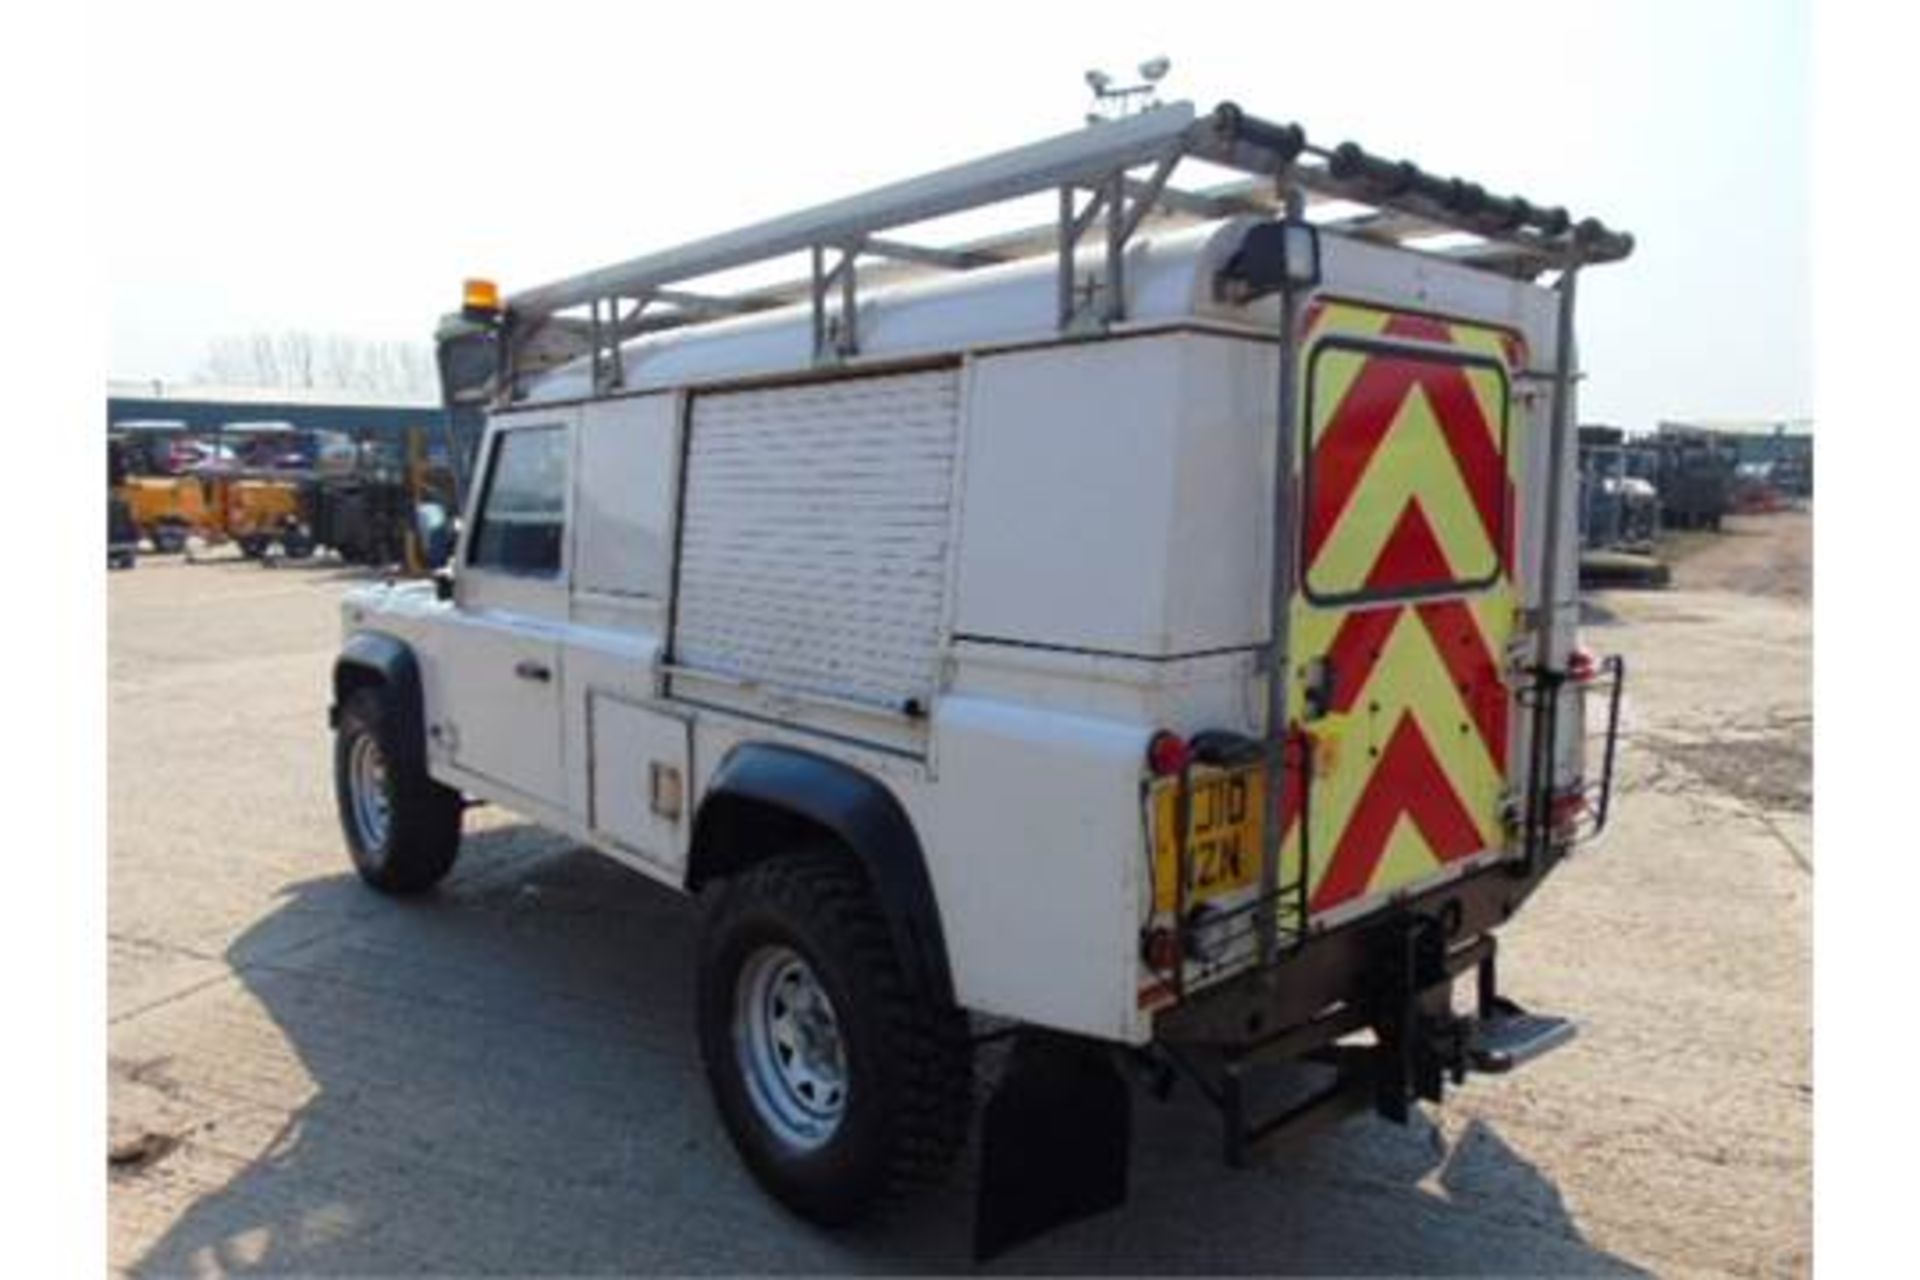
1094 172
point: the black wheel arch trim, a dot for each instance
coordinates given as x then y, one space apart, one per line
860 812
389 661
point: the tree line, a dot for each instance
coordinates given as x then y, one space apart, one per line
295 359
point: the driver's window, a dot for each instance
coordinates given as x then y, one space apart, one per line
523 512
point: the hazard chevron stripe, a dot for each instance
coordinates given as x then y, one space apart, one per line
1463 648
1407 782
1456 633
1347 446
1413 763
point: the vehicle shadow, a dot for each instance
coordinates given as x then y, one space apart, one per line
504 1079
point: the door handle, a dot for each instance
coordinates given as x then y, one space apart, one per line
528 669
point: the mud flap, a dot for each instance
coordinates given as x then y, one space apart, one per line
1054 1141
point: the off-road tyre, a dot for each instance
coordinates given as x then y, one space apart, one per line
909 1093
416 845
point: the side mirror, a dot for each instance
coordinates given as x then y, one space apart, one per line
443 583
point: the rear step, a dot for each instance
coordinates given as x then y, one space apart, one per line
1512 1039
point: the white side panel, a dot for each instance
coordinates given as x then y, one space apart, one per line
625 471
1063 527
630 744
1220 540
1034 851
1117 496
815 540
612 650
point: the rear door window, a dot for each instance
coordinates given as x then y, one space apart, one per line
1406 488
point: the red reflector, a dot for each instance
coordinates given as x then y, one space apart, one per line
1168 753
1568 807
1581 666
1160 948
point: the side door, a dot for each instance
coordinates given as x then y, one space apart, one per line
1411 446
501 677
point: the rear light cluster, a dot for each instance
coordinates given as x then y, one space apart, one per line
1160 949
1168 754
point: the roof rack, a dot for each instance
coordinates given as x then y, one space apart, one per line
1114 173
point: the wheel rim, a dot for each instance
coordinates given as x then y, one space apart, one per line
786 1038
367 787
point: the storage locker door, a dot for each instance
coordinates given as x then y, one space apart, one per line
815 539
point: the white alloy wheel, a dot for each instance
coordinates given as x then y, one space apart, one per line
367 784
787 1042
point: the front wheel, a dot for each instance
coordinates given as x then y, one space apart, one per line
402 827
838 1082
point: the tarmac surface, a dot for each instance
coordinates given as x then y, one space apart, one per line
502 1078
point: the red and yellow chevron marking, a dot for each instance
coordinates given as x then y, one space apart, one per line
1408 545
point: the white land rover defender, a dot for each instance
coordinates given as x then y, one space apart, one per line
1153 629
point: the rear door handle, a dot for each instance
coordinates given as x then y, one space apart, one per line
528 669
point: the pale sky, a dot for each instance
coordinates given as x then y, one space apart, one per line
341 167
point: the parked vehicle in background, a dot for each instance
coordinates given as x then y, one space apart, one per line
164 507
193 454
1696 476
123 537
1783 452
944 617
1618 510
383 502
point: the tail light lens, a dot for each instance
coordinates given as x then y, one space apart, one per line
1160 949
1168 754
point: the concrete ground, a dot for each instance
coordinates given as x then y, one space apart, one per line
502 1078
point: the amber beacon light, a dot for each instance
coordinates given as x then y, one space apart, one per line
481 296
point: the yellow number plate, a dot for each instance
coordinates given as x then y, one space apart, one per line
1224 829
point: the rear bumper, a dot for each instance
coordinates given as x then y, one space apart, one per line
1391 973
1338 969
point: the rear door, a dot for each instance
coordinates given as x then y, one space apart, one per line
1411 445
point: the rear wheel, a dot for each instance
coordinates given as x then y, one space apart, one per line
839 1083
169 538
402 827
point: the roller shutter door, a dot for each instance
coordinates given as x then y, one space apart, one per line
814 544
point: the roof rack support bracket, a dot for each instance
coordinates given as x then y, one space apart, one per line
1125 203
835 336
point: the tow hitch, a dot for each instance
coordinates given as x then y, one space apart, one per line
1419 1043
